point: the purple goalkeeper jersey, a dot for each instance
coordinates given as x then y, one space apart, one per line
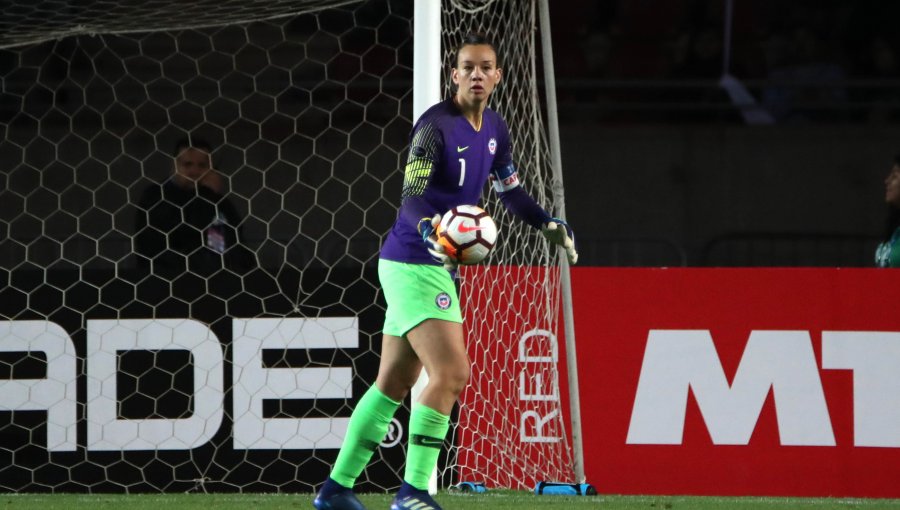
449 163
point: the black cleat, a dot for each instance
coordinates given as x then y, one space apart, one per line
334 496
410 498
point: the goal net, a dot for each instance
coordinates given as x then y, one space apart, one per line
224 351
510 430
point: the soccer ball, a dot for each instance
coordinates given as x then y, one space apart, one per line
467 233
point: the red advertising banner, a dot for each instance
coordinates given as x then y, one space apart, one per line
511 431
781 382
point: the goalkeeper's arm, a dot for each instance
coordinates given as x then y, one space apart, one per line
416 211
505 181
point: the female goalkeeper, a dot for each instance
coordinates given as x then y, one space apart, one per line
456 146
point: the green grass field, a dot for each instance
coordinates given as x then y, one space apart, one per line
496 499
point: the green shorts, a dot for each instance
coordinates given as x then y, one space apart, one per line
415 292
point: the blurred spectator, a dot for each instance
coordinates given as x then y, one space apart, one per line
698 63
878 66
806 79
796 58
596 46
888 252
698 54
186 223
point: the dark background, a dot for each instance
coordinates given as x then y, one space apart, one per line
309 117
662 170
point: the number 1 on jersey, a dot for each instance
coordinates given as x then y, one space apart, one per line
462 171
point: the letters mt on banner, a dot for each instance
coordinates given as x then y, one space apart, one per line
779 382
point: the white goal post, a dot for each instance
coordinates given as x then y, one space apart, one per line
122 373
427 67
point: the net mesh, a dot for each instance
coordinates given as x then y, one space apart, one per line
510 430
227 355
32 22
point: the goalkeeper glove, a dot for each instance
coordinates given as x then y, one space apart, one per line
558 232
426 228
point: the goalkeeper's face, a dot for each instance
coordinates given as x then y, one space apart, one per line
476 74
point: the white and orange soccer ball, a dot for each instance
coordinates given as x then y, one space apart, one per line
467 233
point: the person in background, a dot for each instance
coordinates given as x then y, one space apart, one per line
186 223
888 252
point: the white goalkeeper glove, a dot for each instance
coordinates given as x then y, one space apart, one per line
427 226
558 232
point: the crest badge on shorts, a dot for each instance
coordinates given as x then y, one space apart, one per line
442 301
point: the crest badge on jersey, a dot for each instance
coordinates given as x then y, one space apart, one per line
442 300
492 145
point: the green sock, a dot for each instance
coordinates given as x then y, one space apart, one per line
368 425
427 430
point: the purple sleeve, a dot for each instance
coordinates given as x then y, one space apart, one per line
414 209
424 152
505 181
520 203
